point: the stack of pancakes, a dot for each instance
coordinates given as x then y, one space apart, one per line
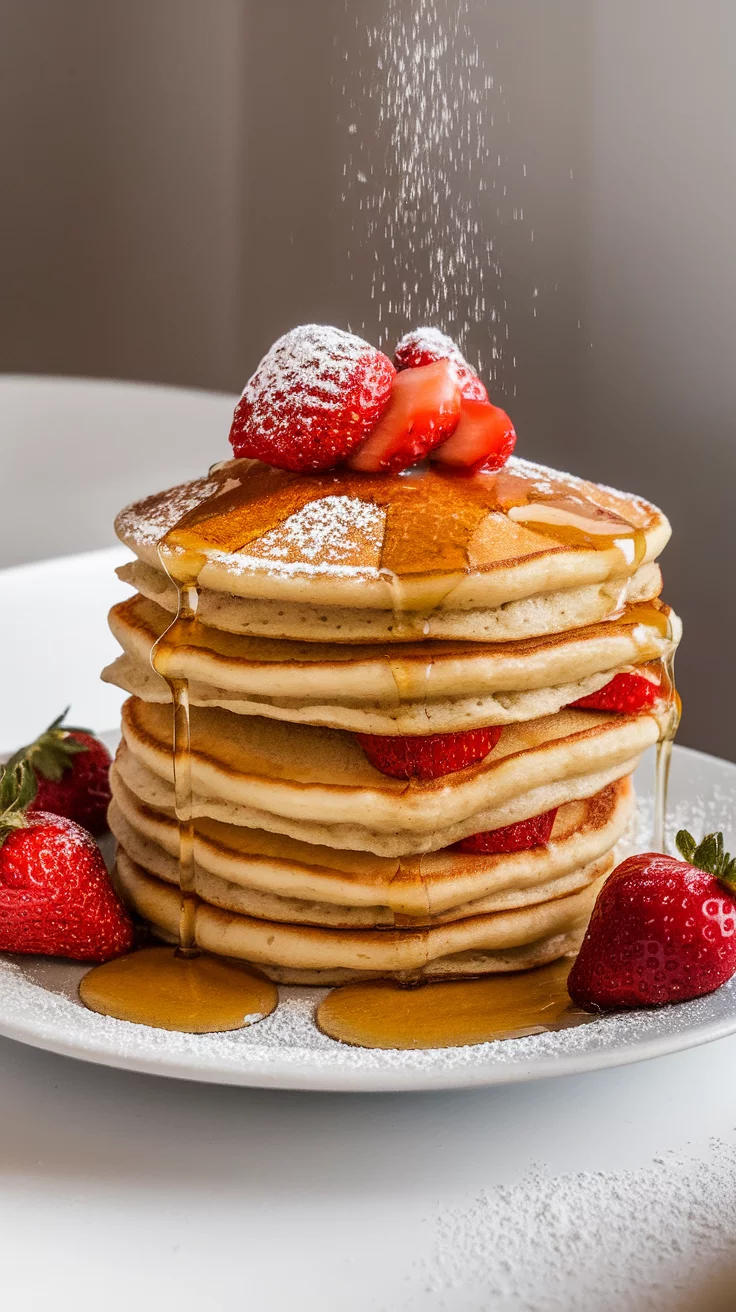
335 605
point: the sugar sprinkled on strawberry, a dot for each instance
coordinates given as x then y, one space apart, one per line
426 345
317 393
662 930
628 693
71 767
56 897
428 758
519 837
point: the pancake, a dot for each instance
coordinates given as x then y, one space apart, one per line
543 613
398 542
503 940
357 888
330 684
446 715
317 784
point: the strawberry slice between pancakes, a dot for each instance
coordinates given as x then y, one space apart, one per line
315 396
520 837
402 757
423 411
628 693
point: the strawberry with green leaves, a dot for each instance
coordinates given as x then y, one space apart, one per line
71 768
56 897
662 930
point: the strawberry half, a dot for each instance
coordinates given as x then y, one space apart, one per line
426 346
423 411
314 397
430 757
72 772
662 930
56 897
521 837
483 439
627 693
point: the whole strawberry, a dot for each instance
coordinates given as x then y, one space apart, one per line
315 395
72 769
56 897
662 930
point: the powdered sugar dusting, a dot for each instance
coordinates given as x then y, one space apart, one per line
592 1240
313 355
335 531
145 523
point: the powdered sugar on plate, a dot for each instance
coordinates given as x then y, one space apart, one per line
648 1239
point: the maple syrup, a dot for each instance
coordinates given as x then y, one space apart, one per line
169 991
431 516
453 1013
179 988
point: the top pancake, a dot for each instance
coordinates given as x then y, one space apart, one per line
405 542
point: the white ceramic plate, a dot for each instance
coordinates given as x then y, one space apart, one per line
38 1003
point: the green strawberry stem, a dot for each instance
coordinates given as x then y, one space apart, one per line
53 751
18 788
708 855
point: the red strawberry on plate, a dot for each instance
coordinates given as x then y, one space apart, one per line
314 397
56 897
662 930
423 411
520 837
628 693
428 758
426 346
483 439
72 768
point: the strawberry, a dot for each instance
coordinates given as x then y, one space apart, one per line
520 837
662 930
426 346
427 758
56 897
423 411
71 767
315 396
483 439
628 693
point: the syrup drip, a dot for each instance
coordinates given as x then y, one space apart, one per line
664 750
380 1014
180 989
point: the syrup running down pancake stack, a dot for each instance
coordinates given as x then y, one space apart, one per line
416 696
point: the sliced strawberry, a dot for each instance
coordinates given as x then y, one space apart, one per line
425 346
423 411
315 396
428 758
483 439
628 693
520 837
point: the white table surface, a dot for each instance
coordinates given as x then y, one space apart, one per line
119 1189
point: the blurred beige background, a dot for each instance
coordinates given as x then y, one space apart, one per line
172 173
